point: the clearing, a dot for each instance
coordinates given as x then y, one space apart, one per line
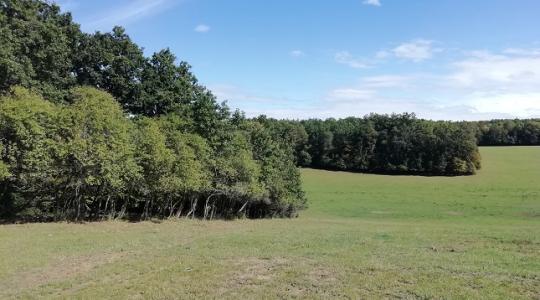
363 236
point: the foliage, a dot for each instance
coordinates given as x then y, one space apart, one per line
508 132
36 47
363 237
98 161
398 143
150 142
110 61
28 126
89 160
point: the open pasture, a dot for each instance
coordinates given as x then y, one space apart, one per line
363 236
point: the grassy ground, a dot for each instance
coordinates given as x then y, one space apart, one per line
364 236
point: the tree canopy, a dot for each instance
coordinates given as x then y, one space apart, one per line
398 143
91 128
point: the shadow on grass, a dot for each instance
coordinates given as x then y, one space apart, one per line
393 172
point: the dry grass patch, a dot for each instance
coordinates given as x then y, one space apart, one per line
59 270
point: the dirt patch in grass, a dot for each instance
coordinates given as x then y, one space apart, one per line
254 271
531 214
60 270
322 275
298 277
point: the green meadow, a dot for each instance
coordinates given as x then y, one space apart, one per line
362 236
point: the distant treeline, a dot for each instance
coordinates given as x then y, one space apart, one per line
90 128
151 142
399 143
508 132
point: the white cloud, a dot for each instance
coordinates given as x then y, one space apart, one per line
360 100
349 95
515 73
372 2
520 105
416 50
126 14
253 104
480 85
507 82
387 81
241 96
521 51
382 54
297 53
202 28
344 57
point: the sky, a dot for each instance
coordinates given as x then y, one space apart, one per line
298 59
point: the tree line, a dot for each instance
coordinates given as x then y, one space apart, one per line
88 160
90 128
394 144
508 132
399 143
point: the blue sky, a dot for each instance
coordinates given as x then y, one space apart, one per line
444 59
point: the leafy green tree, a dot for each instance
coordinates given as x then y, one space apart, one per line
165 86
279 174
111 61
150 142
99 162
155 160
291 134
398 143
4 171
190 176
36 42
236 175
507 132
28 135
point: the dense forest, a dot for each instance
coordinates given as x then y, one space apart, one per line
508 132
399 143
91 128
395 144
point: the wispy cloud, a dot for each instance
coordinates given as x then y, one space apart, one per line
297 53
516 72
372 2
202 28
233 93
416 50
387 81
350 94
344 57
126 14
254 104
480 85
521 51
474 86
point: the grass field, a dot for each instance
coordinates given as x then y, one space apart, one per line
363 236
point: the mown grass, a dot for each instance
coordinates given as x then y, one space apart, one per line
363 236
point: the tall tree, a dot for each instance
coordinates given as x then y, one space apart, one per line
112 62
36 47
29 140
99 158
